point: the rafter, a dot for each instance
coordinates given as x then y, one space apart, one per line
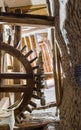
28 19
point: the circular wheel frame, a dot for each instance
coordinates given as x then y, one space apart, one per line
29 82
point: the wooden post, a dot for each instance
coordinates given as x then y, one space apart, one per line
54 66
29 46
1 39
59 75
16 63
33 41
28 43
48 6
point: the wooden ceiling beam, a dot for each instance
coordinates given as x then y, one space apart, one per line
28 19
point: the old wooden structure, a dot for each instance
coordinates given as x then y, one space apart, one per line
21 73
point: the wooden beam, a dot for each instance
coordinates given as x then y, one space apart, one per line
15 76
33 41
13 88
17 45
28 43
55 67
48 6
28 19
59 75
1 58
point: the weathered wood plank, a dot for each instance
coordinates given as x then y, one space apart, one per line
34 20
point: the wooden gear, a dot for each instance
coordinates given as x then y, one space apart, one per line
29 90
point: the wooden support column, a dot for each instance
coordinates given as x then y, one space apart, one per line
28 43
57 70
1 40
54 65
33 44
16 63
59 80
33 41
48 6
29 46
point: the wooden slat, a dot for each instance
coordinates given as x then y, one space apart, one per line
28 109
33 59
13 88
33 40
17 44
15 76
24 47
37 89
35 67
28 43
33 104
30 52
34 20
36 96
23 115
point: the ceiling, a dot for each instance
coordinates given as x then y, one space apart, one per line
21 3
16 3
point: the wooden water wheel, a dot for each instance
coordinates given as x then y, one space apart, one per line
32 86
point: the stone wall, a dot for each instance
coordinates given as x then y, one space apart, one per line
70 108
